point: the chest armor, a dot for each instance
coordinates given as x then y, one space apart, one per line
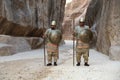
55 36
86 35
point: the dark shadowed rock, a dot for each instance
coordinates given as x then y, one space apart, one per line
13 29
35 42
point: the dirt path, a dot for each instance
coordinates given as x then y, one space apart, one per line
30 69
101 68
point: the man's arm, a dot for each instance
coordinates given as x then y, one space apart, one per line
46 33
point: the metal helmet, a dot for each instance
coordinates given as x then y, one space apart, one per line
53 22
82 19
55 36
86 35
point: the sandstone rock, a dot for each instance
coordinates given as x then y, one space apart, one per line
75 9
28 18
10 28
35 13
93 13
114 52
35 42
105 14
6 49
18 43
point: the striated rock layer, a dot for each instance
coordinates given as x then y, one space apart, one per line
35 13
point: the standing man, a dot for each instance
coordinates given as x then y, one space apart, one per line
54 37
81 47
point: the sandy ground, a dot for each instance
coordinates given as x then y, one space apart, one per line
101 68
30 66
23 70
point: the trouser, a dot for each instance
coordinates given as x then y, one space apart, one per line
84 52
52 54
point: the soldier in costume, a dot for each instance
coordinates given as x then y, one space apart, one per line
82 48
53 36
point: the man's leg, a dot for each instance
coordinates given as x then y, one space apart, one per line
85 56
49 58
78 57
55 55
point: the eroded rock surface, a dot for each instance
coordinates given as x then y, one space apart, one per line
104 15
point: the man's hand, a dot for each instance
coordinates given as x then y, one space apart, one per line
73 33
74 38
44 36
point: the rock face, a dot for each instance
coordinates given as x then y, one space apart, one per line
10 45
35 13
19 44
104 15
6 49
27 20
10 28
75 9
35 42
114 52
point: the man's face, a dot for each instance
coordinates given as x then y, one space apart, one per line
82 24
53 27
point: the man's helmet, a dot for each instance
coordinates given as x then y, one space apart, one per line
53 22
82 19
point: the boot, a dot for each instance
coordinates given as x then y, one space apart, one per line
55 64
78 64
86 64
49 64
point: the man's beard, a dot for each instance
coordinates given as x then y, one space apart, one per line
52 28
